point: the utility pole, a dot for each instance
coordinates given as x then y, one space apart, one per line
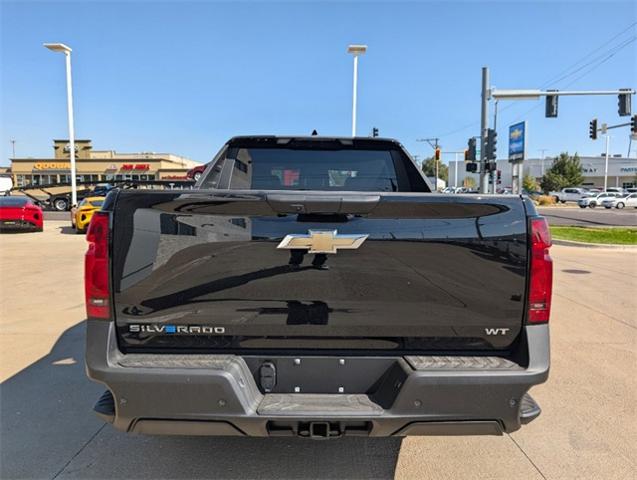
606 164
484 125
542 159
433 143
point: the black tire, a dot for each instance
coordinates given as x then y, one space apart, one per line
196 176
61 204
592 204
582 206
557 199
620 205
562 201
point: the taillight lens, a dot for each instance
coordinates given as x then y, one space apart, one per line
96 286
541 272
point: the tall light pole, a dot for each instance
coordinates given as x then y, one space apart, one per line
61 48
355 50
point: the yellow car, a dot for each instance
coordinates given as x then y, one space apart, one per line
81 215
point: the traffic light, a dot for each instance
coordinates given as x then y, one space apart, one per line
499 179
437 154
374 132
491 166
592 129
472 167
492 140
623 102
470 153
633 124
551 105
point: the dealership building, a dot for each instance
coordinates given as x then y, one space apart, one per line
622 171
98 166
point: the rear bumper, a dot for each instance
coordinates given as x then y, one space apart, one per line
7 225
218 395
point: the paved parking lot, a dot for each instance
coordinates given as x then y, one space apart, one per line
588 428
590 217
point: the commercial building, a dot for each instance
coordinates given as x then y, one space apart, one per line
622 171
98 165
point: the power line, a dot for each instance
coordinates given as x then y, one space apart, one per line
585 57
601 62
613 50
562 75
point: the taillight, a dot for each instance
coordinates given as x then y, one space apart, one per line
96 286
541 272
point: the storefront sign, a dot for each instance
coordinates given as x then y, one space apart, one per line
52 166
137 166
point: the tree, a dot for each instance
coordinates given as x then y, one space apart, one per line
429 169
469 182
566 171
529 183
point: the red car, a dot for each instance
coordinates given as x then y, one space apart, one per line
20 213
195 173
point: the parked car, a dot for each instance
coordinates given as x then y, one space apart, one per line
82 214
593 200
621 202
569 194
195 173
617 190
20 213
309 301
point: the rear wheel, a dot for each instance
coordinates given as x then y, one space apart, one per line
557 199
592 205
61 204
620 205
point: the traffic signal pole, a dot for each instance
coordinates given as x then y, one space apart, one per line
484 125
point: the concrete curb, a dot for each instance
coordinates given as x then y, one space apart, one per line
609 246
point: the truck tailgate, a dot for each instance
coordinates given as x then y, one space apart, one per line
211 271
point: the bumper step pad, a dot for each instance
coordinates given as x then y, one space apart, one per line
438 362
302 404
529 409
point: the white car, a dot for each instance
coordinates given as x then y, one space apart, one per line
621 202
595 199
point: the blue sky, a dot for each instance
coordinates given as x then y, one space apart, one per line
184 77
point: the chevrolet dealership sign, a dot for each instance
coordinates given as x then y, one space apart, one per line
517 141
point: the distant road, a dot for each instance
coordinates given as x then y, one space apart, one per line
51 215
590 217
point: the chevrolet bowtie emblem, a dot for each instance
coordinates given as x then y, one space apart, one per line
322 241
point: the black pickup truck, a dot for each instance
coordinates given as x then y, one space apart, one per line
315 287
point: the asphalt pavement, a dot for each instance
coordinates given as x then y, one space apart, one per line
587 429
590 217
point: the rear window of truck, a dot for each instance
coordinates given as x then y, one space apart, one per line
310 169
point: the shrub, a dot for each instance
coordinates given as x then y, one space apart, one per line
545 200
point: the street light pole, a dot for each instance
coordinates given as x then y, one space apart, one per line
61 48
355 50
